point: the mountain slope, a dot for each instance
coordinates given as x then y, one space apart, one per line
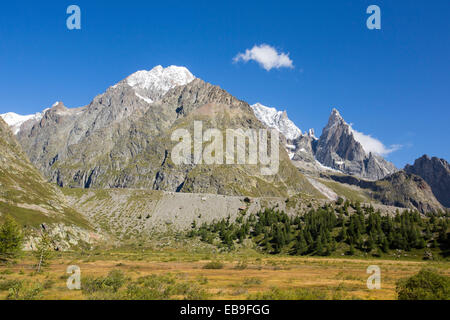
337 148
26 196
120 140
399 189
436 172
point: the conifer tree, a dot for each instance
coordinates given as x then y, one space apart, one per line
11 239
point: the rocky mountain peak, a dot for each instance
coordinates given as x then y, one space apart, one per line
336 116
312 134
58 107
152 85
338 148
336 119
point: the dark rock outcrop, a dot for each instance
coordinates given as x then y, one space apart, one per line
436 172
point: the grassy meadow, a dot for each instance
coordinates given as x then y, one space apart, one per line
201 274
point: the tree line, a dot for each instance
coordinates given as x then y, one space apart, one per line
322 231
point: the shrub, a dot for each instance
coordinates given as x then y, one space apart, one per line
5 285
115 280
241 265
290 294
426 285
252 281
111 283
22 290
213 265
163 288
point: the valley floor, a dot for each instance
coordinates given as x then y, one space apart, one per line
235 276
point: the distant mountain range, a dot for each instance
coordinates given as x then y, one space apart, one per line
122 139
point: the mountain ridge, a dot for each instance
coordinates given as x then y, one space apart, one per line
121 139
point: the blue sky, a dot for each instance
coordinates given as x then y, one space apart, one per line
391 83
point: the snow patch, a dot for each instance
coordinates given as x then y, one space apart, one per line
155 83
273 118
15 120
144 98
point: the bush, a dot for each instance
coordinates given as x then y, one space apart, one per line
213 265
163 288
290 294
426 285
252 281
5 285
22 290
111 283
241 265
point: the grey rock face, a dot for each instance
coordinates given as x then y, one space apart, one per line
121 141
61 133
337 148
302 155
399 189
409 191
436 172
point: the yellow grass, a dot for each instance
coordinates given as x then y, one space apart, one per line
339 278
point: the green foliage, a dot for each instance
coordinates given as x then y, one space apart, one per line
111 283
252 282
290 294
11 239
116 286
5 285
44 251
323 230
213 265
25 290
241 265
426 285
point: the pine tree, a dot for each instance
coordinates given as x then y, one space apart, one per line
11 239
301 245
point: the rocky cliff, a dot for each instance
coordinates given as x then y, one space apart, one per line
337 148
436 172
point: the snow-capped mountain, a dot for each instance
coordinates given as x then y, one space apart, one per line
278 120
154 84
15 120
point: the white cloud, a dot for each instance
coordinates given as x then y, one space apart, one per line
267 57
373 145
